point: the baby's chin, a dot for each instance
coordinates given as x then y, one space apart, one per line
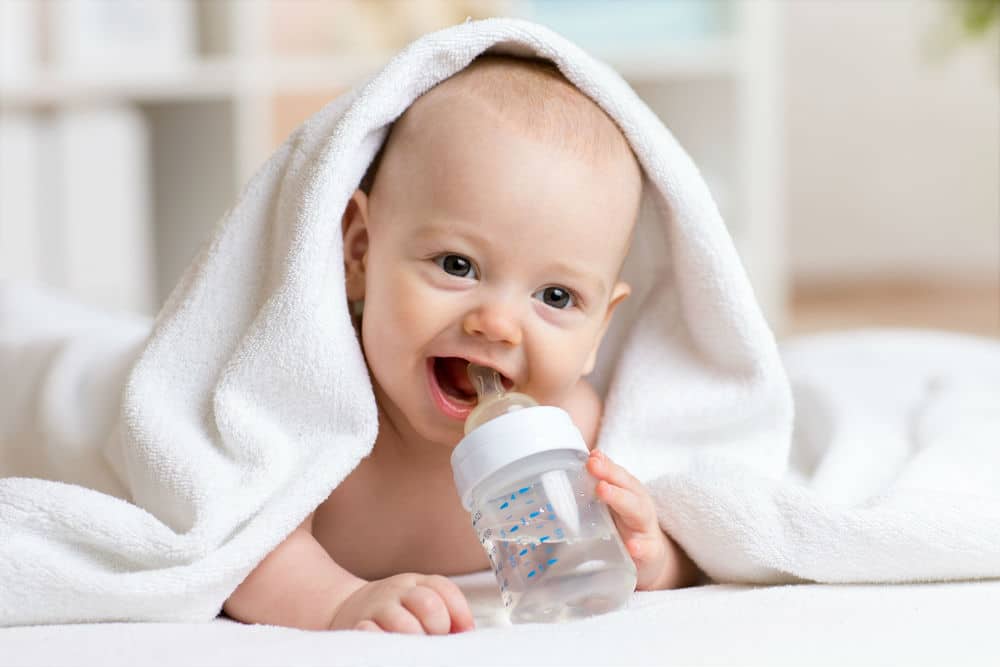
439 434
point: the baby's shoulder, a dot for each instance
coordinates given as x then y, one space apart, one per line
584 406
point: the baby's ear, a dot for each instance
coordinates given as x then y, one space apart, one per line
619 293
355 230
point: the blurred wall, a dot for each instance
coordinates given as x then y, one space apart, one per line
893 160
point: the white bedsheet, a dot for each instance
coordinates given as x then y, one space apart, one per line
911 624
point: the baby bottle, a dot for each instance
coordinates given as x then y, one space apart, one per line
552 543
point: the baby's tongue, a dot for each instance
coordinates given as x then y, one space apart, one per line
455 370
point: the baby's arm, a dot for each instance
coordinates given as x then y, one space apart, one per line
297 585
300 585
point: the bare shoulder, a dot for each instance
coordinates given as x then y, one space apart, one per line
585 407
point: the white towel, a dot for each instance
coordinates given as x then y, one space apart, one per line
894 473
249 401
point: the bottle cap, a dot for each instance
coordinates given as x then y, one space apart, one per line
507 438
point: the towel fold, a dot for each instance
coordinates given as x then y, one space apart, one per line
893 476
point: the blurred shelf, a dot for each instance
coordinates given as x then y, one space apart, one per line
205 79
212 78
306 74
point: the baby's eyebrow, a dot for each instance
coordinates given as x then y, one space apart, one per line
437 231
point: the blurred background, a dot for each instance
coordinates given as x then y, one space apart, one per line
853 147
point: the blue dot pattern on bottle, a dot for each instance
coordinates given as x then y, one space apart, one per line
521 555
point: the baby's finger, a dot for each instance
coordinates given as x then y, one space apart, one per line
454 600
644 549
626 504
428 607
368 626
601 467
395 618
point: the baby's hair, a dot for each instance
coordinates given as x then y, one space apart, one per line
535 95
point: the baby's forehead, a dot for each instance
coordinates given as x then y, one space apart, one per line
532 96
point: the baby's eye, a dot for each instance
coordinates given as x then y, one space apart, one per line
456 265
557 297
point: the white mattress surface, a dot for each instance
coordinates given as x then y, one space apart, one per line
912 624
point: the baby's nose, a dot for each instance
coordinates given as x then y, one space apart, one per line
496 322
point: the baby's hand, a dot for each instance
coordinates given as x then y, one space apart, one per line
414 604
659 561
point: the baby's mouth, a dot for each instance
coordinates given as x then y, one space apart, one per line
453 378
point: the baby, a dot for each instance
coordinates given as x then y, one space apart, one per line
491 228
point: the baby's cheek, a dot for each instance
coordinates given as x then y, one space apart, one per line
556 379
400 306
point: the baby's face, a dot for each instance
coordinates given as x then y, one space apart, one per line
482 244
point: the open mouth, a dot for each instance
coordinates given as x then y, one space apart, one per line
452 377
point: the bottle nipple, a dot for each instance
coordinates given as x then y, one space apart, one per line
493 399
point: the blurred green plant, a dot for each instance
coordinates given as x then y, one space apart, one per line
978 16
961 24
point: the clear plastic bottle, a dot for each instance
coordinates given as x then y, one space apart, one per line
520 471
